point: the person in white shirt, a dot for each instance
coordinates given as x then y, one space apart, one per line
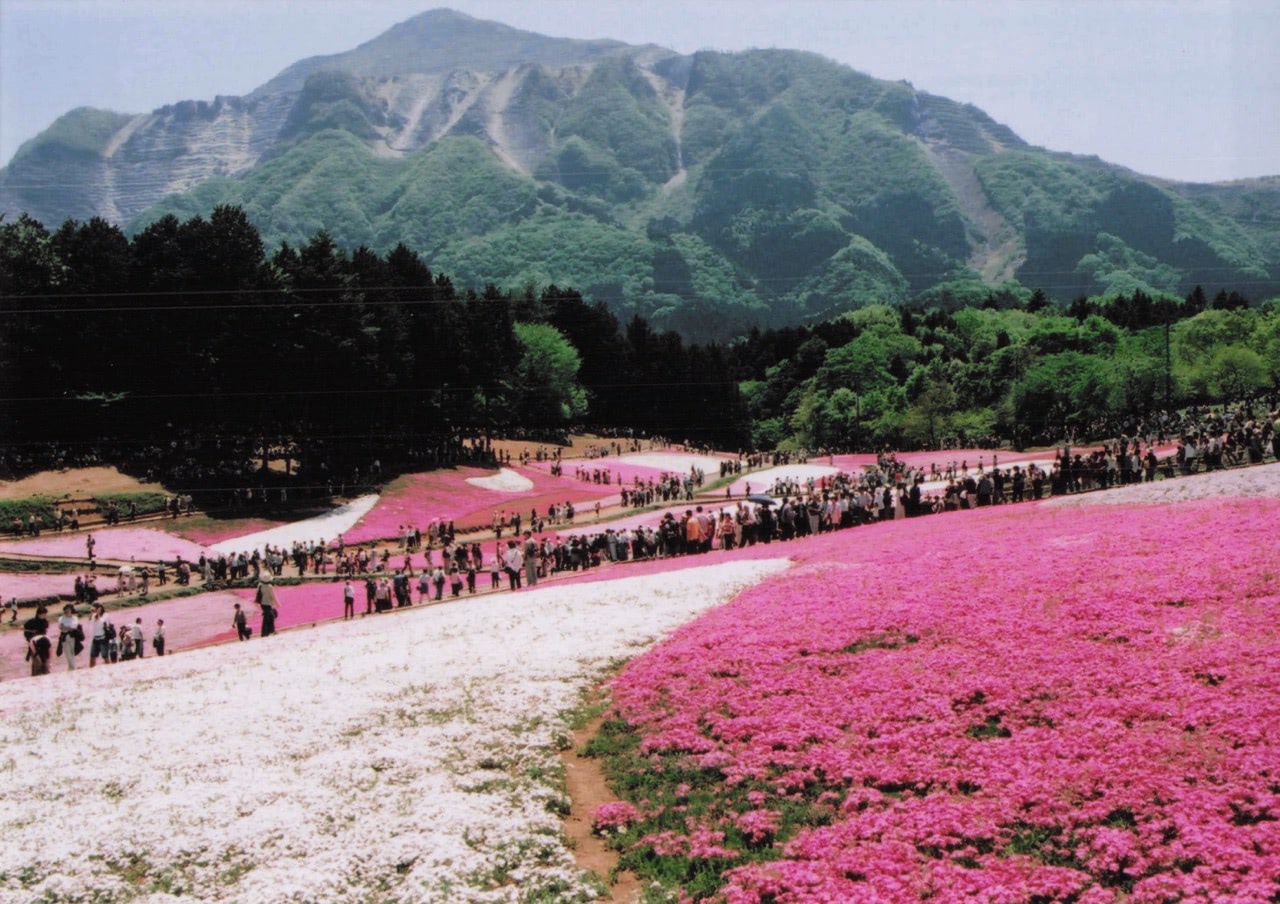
98 636
70 636
512 562
135 637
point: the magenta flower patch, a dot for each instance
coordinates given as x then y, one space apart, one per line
1048 704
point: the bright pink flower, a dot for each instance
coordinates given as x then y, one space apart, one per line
617 814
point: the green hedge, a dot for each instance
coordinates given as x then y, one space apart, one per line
45 508
42 506
148 503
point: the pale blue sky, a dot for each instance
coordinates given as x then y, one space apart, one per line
1184 89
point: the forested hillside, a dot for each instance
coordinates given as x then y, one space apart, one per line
196 326
709 193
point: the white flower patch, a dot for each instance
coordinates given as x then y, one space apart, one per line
1254 481
673 462
409 756
763 481
322 527
505 481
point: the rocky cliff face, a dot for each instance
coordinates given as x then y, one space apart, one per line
438 74
151 155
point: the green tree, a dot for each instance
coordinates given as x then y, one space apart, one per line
547 376
928 419
1236 372
28 261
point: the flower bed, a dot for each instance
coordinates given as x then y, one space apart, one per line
310 530
31 586
207 531
625 470
419 499
763 481
1007 705
300 604
506 481
118 543
189 621
408 758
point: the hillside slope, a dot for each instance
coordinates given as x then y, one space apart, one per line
708 192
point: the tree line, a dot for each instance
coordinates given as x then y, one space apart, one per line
1014 369
194 326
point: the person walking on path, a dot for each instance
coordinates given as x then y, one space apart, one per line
241 624
348 601
512 562
98 647
266 600
530 560
157 639
135 635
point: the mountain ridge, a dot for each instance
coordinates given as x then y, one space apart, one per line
758 187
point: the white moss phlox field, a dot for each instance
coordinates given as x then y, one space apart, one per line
674 462
322 527
409 756
505 481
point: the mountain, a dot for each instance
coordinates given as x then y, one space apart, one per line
708 192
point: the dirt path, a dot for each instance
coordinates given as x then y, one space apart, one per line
587 791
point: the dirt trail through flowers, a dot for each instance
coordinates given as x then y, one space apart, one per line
585 782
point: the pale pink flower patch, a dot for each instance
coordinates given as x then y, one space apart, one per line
419 500
116 543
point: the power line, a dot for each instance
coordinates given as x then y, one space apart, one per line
286 295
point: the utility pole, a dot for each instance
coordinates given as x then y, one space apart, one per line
1167 361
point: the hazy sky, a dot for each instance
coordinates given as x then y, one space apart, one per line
1185 89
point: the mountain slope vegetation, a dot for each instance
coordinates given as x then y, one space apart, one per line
708 193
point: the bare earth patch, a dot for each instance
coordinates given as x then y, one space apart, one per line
585 782
75 483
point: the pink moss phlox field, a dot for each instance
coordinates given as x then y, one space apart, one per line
300 604
1011 705
628 473
115 543
418 499
1002 457
614 814
28 586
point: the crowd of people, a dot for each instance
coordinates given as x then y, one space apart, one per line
1206 439
105 641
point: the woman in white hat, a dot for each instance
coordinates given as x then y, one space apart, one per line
266 600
